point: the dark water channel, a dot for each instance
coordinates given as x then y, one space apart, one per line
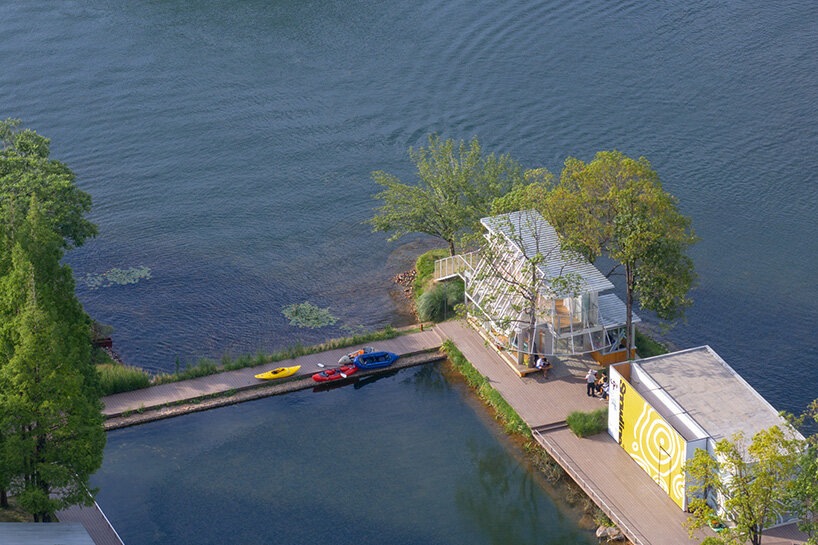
406 459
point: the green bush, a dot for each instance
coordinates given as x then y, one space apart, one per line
116 378
437 304
425 268
647 347
585 424
512 422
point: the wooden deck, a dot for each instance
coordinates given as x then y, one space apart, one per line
241 379
599 465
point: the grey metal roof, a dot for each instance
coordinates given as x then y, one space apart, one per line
612 311
530 234
35 533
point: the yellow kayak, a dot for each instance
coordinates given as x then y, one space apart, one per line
281 372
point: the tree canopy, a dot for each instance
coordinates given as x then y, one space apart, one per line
755 481
616 206
27 172
51 433
456 186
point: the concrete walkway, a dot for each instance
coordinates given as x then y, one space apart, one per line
599 465
241 379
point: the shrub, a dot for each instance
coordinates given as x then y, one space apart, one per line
585 424
425 269
437 304
116 378
647 347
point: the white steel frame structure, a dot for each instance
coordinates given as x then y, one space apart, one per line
567 324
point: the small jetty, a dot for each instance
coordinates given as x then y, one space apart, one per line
229 387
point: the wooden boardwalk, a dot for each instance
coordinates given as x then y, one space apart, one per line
241 379
627 494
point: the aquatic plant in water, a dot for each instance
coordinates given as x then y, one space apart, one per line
117 277
308 315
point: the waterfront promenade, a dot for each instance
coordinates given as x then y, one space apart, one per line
643 511
598 464
242 379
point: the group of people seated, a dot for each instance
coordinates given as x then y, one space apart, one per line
597 384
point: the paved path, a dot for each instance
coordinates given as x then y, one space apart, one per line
599 465
240 379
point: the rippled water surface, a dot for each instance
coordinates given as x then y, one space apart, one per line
405 461
228 147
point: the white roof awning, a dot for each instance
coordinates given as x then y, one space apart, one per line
528 231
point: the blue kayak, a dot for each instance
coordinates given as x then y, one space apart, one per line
375 360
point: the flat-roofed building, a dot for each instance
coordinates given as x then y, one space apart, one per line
37 533
662 409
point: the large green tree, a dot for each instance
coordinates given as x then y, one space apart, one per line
616 206
27 172
51 434
755 481
456 185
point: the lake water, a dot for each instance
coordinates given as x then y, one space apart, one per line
228 146
407 459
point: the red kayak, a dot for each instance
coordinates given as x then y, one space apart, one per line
334 374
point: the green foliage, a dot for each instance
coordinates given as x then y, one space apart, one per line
456 186
51 434
202 368
27 174
584 424
438 303
425 269
512 423
115 378
206 366
803 498
647 347
616 206
117 277
308 315
755 479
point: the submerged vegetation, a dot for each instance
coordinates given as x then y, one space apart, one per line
117 277
308 315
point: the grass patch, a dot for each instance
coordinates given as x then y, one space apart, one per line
115 378
207 366
585 424
438 303
647 347
14 513
512 423
425 268
100 357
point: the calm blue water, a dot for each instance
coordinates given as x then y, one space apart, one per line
228 147
405 461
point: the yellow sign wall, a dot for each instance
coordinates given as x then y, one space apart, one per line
652 442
